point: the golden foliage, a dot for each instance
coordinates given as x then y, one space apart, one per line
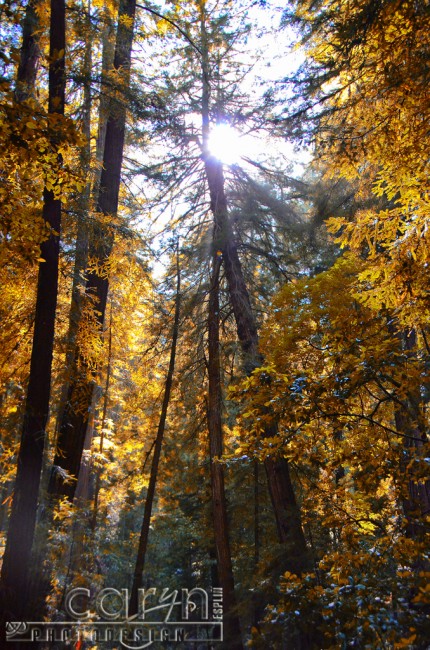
377 131
335 375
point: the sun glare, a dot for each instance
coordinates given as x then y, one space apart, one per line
230 147
226 144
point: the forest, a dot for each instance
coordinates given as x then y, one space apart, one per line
214 324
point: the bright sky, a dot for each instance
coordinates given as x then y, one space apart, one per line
229 146
274 59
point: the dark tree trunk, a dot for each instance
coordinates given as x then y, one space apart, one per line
103 425
144 532
25 85
71 435
258 607
81 245
17 557
108 55
29 55
286 510
219 504
282 495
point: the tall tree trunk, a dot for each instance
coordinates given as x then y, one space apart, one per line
144 532
77 557
25 85
282 495
17 557
108 55
258 608
72 429
81 245
286 510
29 54
40 585
103 425
219 504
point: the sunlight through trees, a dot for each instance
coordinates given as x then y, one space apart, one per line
215 324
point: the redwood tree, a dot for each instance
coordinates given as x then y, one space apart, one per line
72 430
17 557
29 54
219 503
284 502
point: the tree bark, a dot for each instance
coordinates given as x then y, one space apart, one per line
29 54
17 558
24 88
108 55
258 607
103 425
286 510
144 532
73 426
219 503
81 245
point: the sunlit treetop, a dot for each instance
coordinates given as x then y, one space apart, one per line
366 84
